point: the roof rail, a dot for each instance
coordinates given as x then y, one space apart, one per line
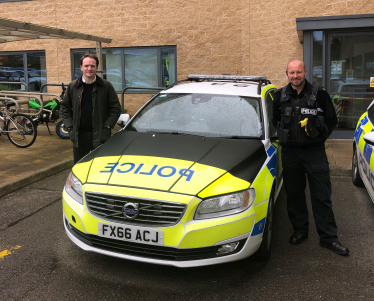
199 77
259 79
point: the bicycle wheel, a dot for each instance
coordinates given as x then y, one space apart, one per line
21 130
28 129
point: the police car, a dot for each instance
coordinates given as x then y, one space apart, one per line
190 180
362 164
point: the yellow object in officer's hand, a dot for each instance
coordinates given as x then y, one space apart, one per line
303 123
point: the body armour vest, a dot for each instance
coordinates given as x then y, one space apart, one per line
302 124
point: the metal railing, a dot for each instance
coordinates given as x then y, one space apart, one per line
29 96
15 83
47 84
8 99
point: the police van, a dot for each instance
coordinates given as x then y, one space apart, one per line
190 180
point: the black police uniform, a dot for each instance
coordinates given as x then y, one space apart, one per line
303 152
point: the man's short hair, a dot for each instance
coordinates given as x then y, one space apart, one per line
92 56
296 60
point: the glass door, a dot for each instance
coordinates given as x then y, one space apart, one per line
350 75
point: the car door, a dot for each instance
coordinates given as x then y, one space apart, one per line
275 148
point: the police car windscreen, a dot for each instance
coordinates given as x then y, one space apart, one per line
208 115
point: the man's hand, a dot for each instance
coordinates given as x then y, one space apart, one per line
105 134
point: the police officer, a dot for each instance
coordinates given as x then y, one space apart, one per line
304 116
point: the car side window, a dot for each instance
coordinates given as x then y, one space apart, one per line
371 114
269 111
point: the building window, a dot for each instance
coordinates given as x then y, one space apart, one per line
145 67
23 67
339 50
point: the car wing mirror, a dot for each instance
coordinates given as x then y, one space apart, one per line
273 138
369 138
370 105
123 120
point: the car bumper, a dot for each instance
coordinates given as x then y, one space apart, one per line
189 243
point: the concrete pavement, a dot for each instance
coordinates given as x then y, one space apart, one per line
22 166
50 154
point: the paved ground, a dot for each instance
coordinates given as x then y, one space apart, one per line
339 154
39 262
22 166
50 154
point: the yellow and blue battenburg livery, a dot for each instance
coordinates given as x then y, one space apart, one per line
184 185
363 162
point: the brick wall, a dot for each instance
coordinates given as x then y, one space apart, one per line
212 36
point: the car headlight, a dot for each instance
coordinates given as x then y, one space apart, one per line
73 188
226 205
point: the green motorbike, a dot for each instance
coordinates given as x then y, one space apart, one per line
50 114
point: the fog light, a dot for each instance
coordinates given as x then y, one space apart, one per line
227 248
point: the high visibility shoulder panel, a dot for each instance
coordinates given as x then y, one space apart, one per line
267 88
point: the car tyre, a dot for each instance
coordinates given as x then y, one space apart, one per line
264 252
356 177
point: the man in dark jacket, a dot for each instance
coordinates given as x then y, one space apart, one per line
90 109
305 116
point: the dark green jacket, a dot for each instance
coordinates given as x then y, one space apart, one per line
106 109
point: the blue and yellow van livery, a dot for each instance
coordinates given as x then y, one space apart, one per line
182 198
363 159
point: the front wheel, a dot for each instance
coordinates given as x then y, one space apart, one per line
61 131
356 178
21 130
263 253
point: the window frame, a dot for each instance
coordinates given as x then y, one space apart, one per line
330 26
269 96
25 63
159 64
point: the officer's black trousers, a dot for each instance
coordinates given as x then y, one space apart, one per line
312 162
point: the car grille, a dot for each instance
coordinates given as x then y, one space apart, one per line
148 251
151 212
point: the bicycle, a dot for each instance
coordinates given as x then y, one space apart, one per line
20 128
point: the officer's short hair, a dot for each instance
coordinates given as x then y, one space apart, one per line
92 56
295 60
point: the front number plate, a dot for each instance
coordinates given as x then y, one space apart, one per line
131 233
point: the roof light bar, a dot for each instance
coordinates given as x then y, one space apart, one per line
226 77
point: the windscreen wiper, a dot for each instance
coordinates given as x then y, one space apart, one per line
241 137
175 133
164 132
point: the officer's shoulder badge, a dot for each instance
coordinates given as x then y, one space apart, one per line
321 88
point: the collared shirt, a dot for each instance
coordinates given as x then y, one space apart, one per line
83 80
